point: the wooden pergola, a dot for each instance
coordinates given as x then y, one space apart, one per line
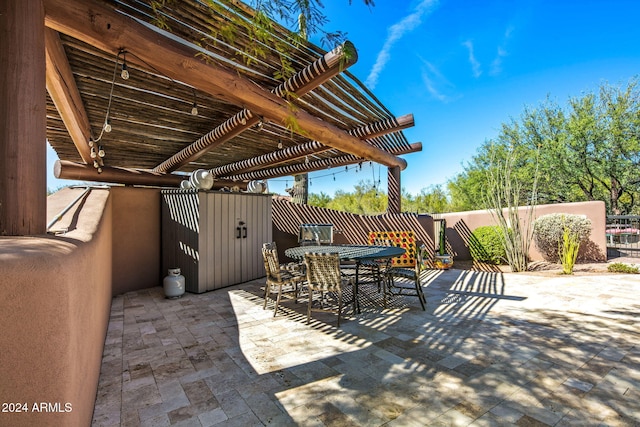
195 98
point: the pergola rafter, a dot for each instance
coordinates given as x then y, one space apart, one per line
302 82
312 147
317 165
100 26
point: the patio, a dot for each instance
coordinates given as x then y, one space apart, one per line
491 349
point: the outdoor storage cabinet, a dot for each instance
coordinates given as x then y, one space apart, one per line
214 238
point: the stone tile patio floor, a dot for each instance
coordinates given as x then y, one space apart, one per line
491 349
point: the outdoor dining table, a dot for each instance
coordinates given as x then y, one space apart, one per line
357 253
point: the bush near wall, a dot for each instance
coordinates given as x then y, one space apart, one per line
486 245
549 229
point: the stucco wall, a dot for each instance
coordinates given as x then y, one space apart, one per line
54 311
461 224
57 297
136 238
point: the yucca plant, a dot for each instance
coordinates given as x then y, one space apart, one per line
568 249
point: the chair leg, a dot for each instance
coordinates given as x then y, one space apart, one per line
309 306
384 291
275 311
420 294
267 290
339 305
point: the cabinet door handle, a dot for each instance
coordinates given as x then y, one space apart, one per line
244 229
238 232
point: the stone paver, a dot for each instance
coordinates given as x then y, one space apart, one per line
491 349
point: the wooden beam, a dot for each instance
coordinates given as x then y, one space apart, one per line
65 95
302 82
312 147
23 120
100 26
64 169
311 166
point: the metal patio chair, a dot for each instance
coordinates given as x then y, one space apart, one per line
406 267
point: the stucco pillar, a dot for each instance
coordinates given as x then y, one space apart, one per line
23 152
394 190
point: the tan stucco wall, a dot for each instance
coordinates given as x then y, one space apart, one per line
56 296
461 224
136 238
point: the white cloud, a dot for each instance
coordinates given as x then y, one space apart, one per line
475 65
434 80
395 33
496 65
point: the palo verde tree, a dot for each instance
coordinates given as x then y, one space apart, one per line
588 150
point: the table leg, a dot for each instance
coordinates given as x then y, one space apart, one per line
356 303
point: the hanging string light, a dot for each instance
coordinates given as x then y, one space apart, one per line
125 72
279 144
194 108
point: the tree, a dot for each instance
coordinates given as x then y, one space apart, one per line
432 199
321 200
366 199
588 151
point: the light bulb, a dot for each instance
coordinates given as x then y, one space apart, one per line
125 73
95 164
194 110
306 160
93 152
100 151
99 170
107 126
279 144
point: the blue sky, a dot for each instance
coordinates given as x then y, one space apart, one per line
463 68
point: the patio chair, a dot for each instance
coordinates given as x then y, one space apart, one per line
287 282
376 268
323 275
407 266
292 267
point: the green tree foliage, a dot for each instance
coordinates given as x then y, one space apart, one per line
432 199
588 150
321 200
368 199
365 199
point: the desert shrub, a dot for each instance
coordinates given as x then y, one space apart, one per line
618 267
568 250
487 245
548 232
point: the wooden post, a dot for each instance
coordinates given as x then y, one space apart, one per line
300 188
23 149
394 191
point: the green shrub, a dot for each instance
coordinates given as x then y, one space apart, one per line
548 231
618 267
486 245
